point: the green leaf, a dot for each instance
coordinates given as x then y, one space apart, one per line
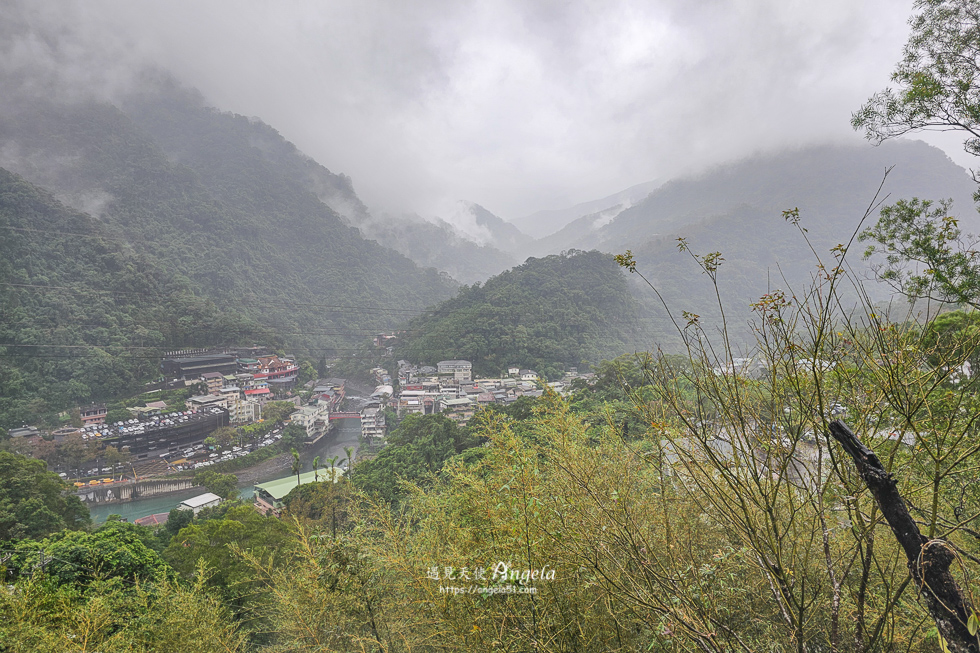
973 624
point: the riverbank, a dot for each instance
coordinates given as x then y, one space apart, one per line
347 435
281 464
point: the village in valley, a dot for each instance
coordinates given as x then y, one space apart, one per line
230 409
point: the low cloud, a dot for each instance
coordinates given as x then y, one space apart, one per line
511 104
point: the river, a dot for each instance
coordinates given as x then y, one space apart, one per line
347 435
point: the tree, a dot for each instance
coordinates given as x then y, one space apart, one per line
114 457
306 372
296 466
73 451
116 550
118 414
178 519
936 78
316 466
35 502
215 543
417 448
755 455
276 411
320 501
160 615
293 435
224 485
925 253
224 435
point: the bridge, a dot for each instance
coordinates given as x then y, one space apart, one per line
334 416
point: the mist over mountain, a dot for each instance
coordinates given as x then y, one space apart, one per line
830 183
737 210
438 244
84 314
545 223
223 202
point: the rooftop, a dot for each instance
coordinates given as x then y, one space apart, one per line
200 500
153 520
280 487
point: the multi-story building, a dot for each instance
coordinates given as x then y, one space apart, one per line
274 368
314 419
167 435
202 401
93 414
215 382
459 410
373 424
461 370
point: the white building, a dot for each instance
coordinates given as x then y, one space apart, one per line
200 502
373 424
313 418
461 370
201 401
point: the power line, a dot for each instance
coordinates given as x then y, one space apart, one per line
364 332
243 301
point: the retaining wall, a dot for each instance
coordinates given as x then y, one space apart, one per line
129 490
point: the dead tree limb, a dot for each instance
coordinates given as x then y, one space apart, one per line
928 560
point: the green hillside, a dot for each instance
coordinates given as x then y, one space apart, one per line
83 316
572 309
737 210
206 197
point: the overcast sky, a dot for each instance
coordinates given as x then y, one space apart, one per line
518 105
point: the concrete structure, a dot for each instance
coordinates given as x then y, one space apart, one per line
192 367
200 502
313 418
120 492
247 411
461 370
93 414
214 381
373 424
201 401
459 410
167 435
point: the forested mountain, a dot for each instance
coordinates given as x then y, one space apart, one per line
572 309
737 210
84 315
832 184
222 203
500 233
